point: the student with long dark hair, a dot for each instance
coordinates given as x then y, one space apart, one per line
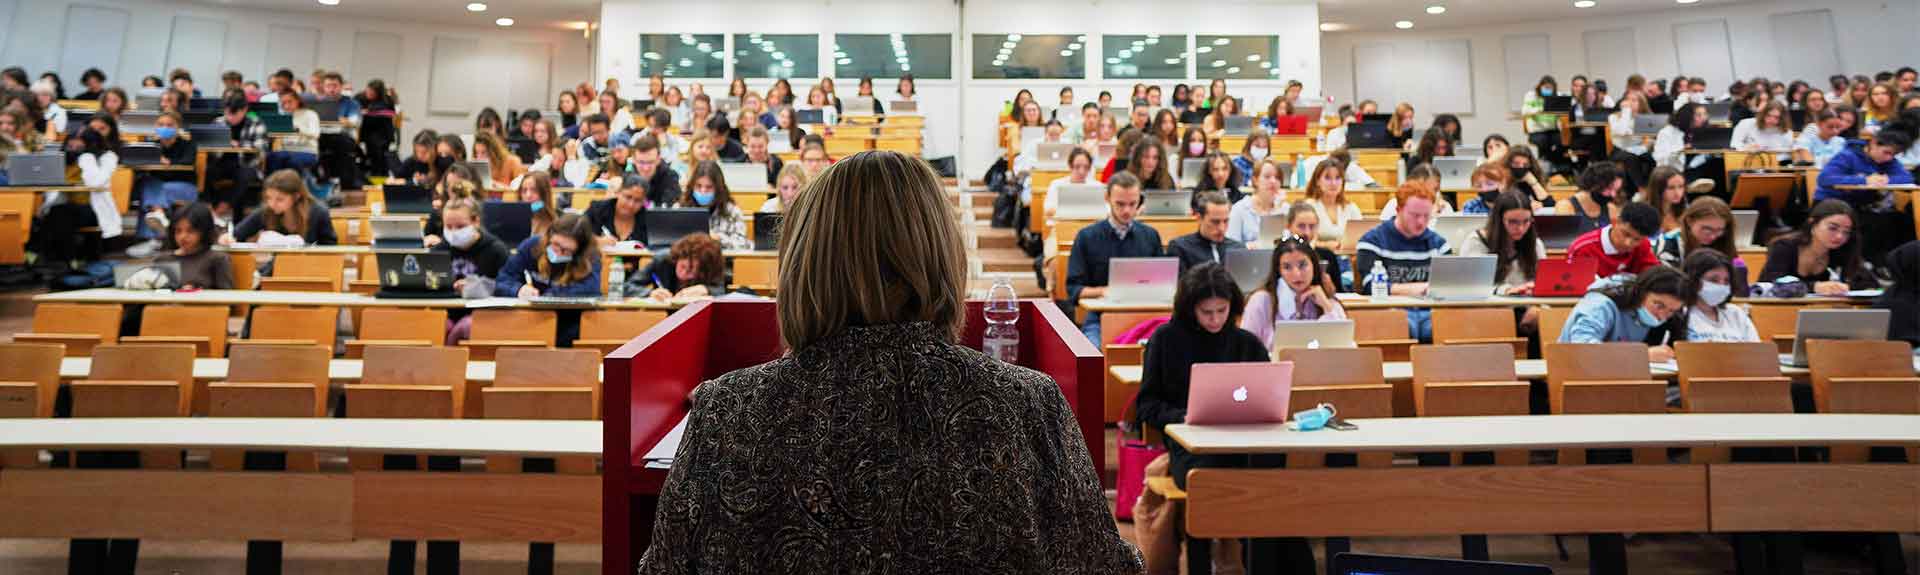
1824 253
1670 145
1666 190
1710 276
707 189
1206 310
1705 224
565 261
1148 161
1639 310
1598 197
1510 236
190 244
1296 288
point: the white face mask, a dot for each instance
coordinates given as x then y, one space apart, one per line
463 238
1257 153
1715 293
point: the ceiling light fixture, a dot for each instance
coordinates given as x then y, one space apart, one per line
1221 41
1332 26
476 7
1404 24
1066 53
330 2
1436 9
1584 3
503 22
1013 37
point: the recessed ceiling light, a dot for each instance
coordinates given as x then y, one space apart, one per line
504 22
1233 70
476 7
1066 53
1113 60
1404 24
578 25
1436 9
330 2
1221 41
1584 3
1013 37
1686 1
1203 49
1332 26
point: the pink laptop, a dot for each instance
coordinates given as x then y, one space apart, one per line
1239 393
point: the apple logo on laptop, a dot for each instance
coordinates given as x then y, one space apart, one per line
1240 394
1313 344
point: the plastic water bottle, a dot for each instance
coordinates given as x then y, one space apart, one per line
616 280
1002 339
1378 277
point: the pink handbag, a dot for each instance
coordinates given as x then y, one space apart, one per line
1132 475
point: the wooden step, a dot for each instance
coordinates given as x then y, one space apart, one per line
991 238
1005 261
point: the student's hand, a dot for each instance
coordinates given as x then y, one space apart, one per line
460 285
1409 289
606 241
1877 180
529 292
431 240
1830 288
1093 292
1659 354
226 239
164 161
1525 289
692 292
660 294
1317 296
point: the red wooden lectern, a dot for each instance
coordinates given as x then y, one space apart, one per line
648 381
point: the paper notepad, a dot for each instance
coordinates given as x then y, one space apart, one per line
661 456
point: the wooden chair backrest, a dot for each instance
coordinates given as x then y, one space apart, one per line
36 364
1113 325
401 401
264 400
404 324
1334 366
1587 378
279 364
143 362
1466 323
1775 320
515 324
137 380
1720 361
1552 321
1456 363
331 267
312 324
538 367
1379 324
208 321
432 366
1881 374
603 324
101 319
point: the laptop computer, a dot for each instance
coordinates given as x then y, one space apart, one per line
1272 227
1368 135
1461 277
904 107
1249 267
808 117
1712 138
1166 203
1355 228
211 136
779 142
277 123
1295 125
1456 172
407 198
415 274
1081 201
766 230
1719 112
1557 277
1457 228
1558 105
398 233
141 122
140 154
667 225
1648 124
1237 125
1557 231
37 169
1190 171
1745 224
745 177
1367 564
484 170
512 222
1242 393
1596 115
1380 119
1052 156
727 105
1142 280
1319 334
264 107
1310 112
857 106
1855 324
123 271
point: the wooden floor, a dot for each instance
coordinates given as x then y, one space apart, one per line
1668 554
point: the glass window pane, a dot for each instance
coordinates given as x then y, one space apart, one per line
1242 57
1026 56
926 56
683 55
776 55
1149 57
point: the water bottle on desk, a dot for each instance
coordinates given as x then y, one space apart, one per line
616 280
1002 338
1378 279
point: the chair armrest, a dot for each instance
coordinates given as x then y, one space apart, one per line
1743 379
271 342
76 344
390 342
1475 340
1874 379
202 345
504 343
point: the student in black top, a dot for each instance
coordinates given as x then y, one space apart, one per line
1209 242
190 244
1903 297
477 254
621 218
1204 329
422 169
756 144
96 83
1117 236
662 184
1220 176
692 268
724 147
1824 253
160 191
288 210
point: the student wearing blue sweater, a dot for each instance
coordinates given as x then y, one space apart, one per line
1873 163
1405 247
563 262
1638 310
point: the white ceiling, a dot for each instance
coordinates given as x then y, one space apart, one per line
1380 15
526 13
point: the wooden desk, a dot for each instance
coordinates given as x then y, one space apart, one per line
1507 432
349 300
1356 301
215 369
1523 369
252 248
25 201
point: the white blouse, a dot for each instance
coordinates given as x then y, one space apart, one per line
1733 325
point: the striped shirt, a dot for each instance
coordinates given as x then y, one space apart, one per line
1406 259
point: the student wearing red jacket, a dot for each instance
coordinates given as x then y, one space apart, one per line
1621 247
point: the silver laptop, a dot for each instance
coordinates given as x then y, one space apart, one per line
857 106
1250 267
1456 172
1190 171
1855 324
1174 203
1719 112
1049 156
727 105
1238 125
1460 277
139 122
1332 333
1457 228
1744 221
1081 202
904 107
1272 228
37 169
778 142
126 270
745 177
1648 124
1032 135
1142 280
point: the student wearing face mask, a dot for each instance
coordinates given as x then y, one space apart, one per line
1709 316
1489 181
1524 173
725 222
563 262
1599 194
477 254
1256 150
1267 199
1638 310
1543 128
160 192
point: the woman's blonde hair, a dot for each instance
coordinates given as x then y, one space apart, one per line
294 222
870 241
